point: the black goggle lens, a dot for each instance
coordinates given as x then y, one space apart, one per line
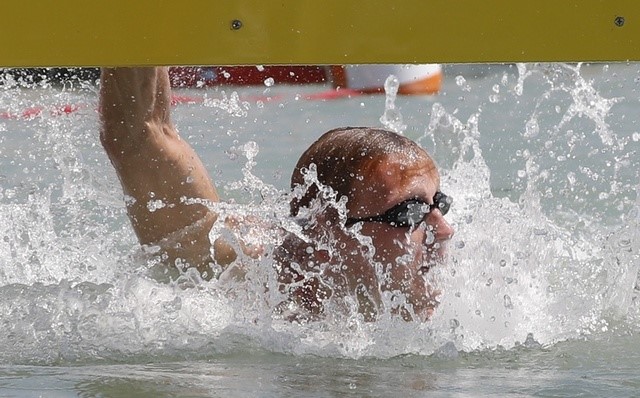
410 212
442 202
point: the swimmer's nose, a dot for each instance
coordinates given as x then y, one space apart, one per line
442 230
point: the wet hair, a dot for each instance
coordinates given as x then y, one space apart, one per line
341 154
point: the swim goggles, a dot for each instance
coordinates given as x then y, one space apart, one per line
409 212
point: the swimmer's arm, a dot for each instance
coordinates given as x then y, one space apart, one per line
156 167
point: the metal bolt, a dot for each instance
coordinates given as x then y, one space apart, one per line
619 21
236 24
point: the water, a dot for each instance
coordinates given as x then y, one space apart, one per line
539 290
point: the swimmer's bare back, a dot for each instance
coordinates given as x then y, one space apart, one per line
155 166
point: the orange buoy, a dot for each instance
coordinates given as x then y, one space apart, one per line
413 79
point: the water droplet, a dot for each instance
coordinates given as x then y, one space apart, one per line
430 238
392 118
531 128
250 149
129 200
462 83
231 154
507 302
269 82
154 205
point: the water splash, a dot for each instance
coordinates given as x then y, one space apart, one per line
462 83
586 101
75 288
392 118
537 274
229 103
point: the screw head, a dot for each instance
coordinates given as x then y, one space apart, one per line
619 21
236 24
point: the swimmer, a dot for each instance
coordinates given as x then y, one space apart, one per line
391 185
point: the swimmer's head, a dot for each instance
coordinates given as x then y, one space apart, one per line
346 157
393 194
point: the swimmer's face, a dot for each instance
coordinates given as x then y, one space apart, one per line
405 252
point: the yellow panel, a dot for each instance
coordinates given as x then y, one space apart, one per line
199 32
